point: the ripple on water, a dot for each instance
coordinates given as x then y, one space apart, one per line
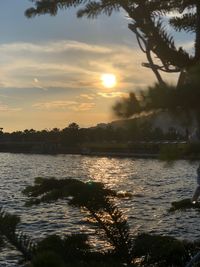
153 186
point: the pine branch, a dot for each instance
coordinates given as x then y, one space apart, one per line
146 16
187 22
162 44
42 7
96 199
47 190
94 9
19 240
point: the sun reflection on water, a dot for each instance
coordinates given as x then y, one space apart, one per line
108 171
152 187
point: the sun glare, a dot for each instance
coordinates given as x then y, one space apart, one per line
108 80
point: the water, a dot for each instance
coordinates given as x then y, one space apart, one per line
154 186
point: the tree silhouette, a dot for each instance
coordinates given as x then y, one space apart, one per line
110 225
97 200
150 23
180 101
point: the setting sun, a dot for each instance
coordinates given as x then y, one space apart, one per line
108 80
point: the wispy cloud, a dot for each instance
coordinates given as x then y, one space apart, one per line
113 94
6 108
64 78
53 47
84 107
64 104
57 104
88 96
69 64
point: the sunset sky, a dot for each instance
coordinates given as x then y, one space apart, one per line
51 67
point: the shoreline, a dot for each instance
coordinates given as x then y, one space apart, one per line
81 153
121 155
105 154
145 150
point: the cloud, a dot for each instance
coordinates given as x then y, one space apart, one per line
64 105
88 96
69 64
63 79
6 108
84 107
113 94
57 104
53 47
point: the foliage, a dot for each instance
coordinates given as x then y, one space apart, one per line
73 250
47 259
56 251
193 150
71 247
149 22
76 249
172 152
153 250
170 98
51 189
115 137
161 250
1 242
184 204
127 106
19 240
97 200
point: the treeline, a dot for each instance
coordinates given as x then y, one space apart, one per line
74 135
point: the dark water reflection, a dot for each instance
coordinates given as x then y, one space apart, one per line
154 186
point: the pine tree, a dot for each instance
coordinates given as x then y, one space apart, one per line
97 200
77 249
149 23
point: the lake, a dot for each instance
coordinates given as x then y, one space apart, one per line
153 184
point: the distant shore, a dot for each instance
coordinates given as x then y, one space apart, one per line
74 151
121 155
155 150
106 154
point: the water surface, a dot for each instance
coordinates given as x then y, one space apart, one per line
154 186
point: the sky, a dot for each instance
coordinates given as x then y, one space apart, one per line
51 67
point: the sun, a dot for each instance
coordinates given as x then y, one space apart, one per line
108 80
